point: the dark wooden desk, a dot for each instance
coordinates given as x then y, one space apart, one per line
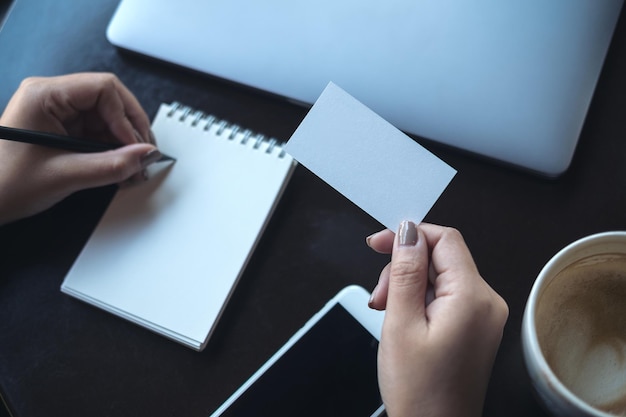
59 356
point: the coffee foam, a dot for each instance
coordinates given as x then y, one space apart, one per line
581 328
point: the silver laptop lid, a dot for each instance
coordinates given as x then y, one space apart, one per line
511 80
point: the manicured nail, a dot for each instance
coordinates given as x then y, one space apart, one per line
150 157
407 235
138 136
372 296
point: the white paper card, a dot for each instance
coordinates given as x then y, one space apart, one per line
369 161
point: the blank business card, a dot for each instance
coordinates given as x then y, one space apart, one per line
369 161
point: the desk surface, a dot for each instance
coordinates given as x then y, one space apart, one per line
59 356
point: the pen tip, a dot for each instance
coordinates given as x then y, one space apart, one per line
165 158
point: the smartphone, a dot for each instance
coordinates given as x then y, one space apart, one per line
326 368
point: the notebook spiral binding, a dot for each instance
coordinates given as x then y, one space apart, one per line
207 121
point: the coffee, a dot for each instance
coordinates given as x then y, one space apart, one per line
581 329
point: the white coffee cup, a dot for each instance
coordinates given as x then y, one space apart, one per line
574 329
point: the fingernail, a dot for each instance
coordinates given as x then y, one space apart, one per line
138 136
152 137
150 157
372 296
407 235
368 240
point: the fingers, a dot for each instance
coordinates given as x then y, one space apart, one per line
450 255
122 113
98 169
112 102
381 242
378 299
448 259
408 276
80 105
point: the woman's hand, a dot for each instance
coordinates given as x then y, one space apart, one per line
94 106
436 350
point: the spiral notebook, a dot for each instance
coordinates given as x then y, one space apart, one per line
168 253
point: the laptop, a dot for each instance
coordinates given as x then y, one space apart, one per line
509 80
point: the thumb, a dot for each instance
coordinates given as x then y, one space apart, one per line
408 275
110 167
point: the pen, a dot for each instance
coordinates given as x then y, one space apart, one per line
61 142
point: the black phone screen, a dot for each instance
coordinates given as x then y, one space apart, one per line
330 371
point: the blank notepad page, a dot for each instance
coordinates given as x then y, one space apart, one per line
168 253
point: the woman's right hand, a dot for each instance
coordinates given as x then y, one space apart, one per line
94 106
436 351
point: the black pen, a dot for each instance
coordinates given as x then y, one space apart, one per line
61 142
